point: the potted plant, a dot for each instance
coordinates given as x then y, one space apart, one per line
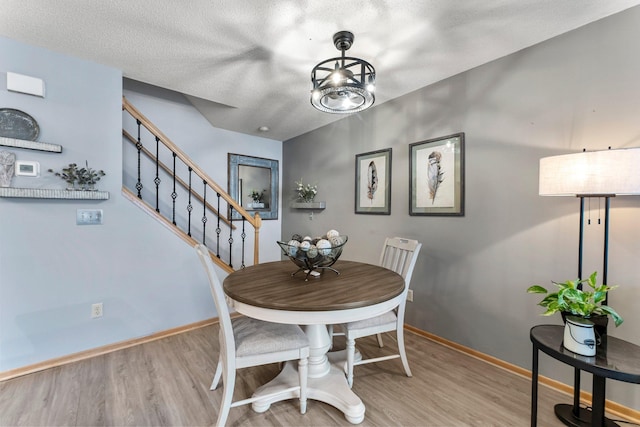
68 175
585 316
258 199
568 299
88 177
85 177
306 192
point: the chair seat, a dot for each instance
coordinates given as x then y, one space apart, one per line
387 318
273 337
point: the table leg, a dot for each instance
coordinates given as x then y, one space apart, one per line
585 417
327 381
576 392
597 401
534 389
319 345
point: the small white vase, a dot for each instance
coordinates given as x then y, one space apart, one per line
579 336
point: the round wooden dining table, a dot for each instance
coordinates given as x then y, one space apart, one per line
270 292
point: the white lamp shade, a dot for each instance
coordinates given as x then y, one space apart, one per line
607 172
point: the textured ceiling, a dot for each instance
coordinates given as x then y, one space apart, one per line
246 64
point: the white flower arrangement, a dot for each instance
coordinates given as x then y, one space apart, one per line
306 192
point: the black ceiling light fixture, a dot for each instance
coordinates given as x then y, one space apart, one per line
343 85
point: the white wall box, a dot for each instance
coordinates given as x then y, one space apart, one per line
27 168
25 84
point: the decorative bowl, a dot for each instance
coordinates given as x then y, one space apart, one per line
310 258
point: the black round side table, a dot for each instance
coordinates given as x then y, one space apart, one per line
619 360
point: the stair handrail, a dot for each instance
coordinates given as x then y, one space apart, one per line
179 180
255 220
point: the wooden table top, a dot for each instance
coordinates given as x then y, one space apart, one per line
270 285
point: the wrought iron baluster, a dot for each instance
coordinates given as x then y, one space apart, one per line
230 242
194 196
189 206
174 195
157 180
139 148
218 229
204 212
243 235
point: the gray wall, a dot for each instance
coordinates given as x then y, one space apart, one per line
580 90
52 270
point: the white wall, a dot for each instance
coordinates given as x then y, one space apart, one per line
580 90
52 270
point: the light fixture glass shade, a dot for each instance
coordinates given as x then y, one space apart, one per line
606 172
345 84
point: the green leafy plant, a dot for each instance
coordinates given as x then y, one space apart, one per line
257 197
88 176
85 177
568 298
68 174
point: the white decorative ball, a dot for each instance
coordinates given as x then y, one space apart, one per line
305 245
324 247
312 252
336 241
306 238
332 233
292 250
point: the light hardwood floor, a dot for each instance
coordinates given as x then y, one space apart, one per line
166 383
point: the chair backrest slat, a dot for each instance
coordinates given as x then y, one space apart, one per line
400 255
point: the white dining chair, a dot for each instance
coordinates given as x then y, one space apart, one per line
399 255
246 342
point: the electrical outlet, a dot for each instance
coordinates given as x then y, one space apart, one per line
96 310
410 295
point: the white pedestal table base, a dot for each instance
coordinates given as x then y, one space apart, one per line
326 382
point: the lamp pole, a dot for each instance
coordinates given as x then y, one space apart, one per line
605 261
605 267
580 239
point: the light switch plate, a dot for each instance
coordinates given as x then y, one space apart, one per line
89 217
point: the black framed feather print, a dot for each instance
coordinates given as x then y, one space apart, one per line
373 182
436 176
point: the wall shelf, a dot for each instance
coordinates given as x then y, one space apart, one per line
48 193
30 145
308 205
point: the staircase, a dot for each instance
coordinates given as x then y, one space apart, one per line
164 182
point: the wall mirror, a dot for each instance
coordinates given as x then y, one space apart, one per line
253 184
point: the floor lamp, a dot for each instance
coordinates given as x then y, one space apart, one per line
596 174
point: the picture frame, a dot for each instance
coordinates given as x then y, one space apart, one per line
247 175
436 176
373 182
